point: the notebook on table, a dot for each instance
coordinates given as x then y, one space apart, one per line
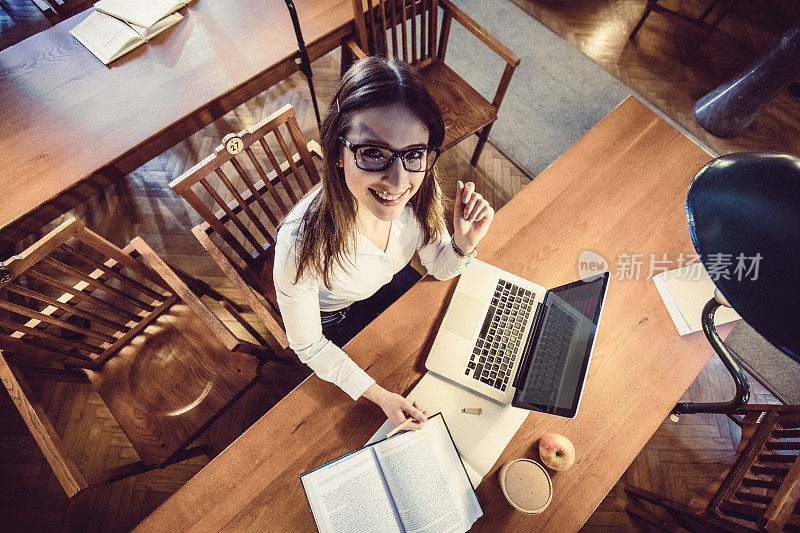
413 481
514 341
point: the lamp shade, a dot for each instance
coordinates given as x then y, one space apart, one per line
744 218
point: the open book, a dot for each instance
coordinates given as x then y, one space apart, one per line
109 38
413 482
144 13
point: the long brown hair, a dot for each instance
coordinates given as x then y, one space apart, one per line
327 227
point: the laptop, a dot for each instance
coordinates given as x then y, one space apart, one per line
516 342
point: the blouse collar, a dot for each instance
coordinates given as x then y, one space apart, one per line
364 246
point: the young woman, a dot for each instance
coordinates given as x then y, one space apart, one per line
342 255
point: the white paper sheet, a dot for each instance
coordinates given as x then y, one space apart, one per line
685 291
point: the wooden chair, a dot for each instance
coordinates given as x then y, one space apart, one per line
464 110
56 11
700 22
758 492
243 191
164 364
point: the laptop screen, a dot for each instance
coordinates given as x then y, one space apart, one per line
553 378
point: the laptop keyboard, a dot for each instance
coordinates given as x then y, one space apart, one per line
547 366
502 332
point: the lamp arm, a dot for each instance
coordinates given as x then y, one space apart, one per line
727 355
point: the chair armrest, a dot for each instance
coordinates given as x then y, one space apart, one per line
481 33
356 50
179 287
65 469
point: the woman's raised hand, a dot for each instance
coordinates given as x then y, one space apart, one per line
472 216
397 408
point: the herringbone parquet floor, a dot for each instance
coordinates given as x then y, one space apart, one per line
650 64
681 458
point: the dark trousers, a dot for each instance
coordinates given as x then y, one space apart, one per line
342 325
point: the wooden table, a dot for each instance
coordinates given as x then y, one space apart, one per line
619 189
70 125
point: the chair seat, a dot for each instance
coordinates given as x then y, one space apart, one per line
464 109
167 384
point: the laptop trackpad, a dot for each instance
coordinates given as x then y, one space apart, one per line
464 315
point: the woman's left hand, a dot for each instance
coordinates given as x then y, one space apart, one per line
472 216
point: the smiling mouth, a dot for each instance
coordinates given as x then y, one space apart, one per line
387 199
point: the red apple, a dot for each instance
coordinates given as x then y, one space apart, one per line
556 451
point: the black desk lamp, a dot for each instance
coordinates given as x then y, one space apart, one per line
747 206
304 61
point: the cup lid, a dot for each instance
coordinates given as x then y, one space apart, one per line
526 485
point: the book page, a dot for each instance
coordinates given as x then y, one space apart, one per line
141 13
427 481
158 27
105 36
350 494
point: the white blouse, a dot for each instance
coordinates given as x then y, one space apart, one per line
368 269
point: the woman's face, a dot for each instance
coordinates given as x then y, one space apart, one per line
384 194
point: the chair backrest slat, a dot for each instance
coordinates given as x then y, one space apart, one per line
78 293
404 29
21 328
392 9
434 21
215 222
93 281
289 159
372 25
266 181
32 348
67 308
423 23
45 317
73 296
250 184
231 215
278 169
113 272
251 216
119 257
378 24
302 149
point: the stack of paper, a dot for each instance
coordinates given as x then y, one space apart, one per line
685 292
116 27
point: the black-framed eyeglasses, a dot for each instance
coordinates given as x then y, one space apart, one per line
378 158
